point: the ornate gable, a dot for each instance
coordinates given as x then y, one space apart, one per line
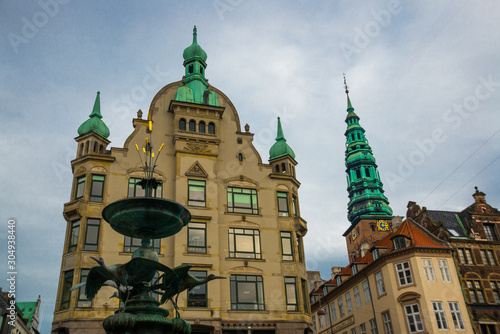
196 170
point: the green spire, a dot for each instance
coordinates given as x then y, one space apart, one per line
366 193
94 123
195 87
280 148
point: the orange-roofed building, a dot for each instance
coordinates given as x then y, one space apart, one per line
406 282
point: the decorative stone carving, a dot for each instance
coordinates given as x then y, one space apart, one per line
197 170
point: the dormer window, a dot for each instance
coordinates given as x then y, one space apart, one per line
375 254
339 280
399 242
325 290
354 269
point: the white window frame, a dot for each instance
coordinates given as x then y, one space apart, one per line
357 296
415 317
380 283
428 270
405 276
444 270
373 326
362 328
439 314
348 302
366 291
386 318
456 315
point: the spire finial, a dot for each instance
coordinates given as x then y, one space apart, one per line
96 111
195 35
349 105
345 85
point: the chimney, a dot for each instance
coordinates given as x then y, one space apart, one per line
396 222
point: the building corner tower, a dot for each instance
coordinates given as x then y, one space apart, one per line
368 208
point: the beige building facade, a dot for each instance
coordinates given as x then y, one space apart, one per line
406 283
246 224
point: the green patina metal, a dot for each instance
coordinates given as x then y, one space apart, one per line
94 123
280 148
195 87
366 193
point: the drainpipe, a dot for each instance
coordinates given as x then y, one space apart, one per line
371 299
461 287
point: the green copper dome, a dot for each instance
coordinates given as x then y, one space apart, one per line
280 148
94 123
194 50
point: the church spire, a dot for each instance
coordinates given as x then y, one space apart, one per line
366 193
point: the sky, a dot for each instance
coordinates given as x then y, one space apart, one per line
424 78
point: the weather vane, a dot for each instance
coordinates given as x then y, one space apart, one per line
345 85
148 183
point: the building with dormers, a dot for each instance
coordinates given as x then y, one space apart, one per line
474 235
405 283
246 223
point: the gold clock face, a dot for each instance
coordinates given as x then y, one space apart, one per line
382 225
354 234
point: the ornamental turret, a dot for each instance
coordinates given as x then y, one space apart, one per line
195 87
93 133
281 155
367 202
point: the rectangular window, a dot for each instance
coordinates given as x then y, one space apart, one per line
458 322
282 204
443 269
97 188
80 187
428 270
348 302
380 283
241 200
386 317
341 307
354 330
357 297
92 235
130 245
305 295
495 286
314 323
197 238
136 190
373 327
244 243
366 290
197 296
414 319
465 256
475 291
83 301
362 328
291 294
295 206
247 293
354 269
439 313
197 193
489 232
300 248
73 236
65 293
327 316
334 312
375 254
287 246
488 257
404 273
320 321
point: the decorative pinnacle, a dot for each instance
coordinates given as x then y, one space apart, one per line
149 182
349 105
345 85
195 35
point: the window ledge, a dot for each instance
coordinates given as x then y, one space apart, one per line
244 259
252 311
406 286
198 207
197 254
382 295
130 253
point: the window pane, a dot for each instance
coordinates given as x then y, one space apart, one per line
80 187
198 295
66 294
83 301
92 235
73 238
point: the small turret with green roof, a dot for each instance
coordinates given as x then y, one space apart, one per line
94 123
195 87
280 148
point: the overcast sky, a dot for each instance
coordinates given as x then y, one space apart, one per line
424 77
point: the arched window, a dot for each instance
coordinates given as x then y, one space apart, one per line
95 147
201 127
182 124
101 149
283 167
277 168
81 149
192 125
211 128
86 147
191 69
240 157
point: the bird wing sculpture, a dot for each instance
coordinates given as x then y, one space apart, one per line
141 270
95 280
170 286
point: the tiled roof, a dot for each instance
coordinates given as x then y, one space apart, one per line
450 221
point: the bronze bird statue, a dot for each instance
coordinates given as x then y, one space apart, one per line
133 273
185 281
